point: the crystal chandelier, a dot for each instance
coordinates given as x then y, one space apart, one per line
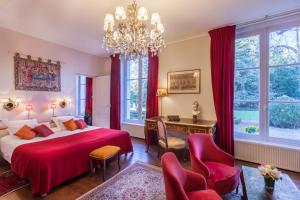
131 37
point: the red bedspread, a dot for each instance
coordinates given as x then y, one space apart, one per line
49 163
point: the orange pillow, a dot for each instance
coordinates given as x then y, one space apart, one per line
26 133
70 125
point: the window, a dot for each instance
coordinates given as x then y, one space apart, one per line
80 95
267 85
134 89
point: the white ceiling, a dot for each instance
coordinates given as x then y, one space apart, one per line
79 23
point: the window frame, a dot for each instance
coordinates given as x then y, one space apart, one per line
263 32
78 95
124 98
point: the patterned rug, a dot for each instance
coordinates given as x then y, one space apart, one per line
9 182
137 182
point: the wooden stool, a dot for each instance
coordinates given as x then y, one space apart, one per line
103 154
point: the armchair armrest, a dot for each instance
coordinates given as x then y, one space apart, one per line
194 181
199 166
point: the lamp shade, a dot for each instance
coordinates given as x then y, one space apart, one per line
2 125
29 107
161 92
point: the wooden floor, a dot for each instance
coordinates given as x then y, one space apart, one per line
76 187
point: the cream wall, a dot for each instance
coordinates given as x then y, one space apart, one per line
73 62
185 55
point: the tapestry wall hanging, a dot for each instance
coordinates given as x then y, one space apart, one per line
36 75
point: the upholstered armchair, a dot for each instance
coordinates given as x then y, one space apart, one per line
214 164
182 184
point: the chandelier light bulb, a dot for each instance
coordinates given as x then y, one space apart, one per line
109 20
120 13
155 18
160 27
142 14
116 35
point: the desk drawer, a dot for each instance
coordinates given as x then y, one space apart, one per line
198 130
176 128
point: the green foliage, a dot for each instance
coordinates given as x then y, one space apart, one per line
285 115
251 129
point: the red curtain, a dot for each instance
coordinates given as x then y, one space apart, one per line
222 73
89 101
115 92
152 85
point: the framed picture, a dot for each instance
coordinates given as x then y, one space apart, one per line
184 82
36 75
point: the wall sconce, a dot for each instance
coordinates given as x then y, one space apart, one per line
63 102
10 104
52 106
29 108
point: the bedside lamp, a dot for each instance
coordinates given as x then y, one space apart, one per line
52 106
28 108
161 92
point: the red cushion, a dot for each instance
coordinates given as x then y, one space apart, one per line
81 124
43 130
223 178
25 133
204 195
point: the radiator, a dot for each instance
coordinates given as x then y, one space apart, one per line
280 156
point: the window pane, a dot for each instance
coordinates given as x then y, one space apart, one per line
284 83
82 79
82 107
284 120
144 98
284 46
133 69
247 52
145 68
132 89
132 109
82 91
246 118
246 84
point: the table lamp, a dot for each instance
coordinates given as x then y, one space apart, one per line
28 108
161 92
52 106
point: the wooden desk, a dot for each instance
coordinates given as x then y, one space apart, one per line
185 125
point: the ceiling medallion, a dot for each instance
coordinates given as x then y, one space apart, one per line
131 37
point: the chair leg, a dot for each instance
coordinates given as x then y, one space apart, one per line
158 152
184 155
237 189
104 169
92 166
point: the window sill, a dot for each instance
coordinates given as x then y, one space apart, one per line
132 124
268 143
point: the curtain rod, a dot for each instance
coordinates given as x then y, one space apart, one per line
35 58
270 17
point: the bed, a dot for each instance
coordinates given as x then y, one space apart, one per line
48 162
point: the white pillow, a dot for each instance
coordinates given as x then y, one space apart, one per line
14 126
59 121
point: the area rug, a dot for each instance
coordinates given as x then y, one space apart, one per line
9 182
137 182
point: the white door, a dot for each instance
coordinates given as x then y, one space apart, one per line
101 101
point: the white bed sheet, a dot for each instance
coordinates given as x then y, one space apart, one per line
10 142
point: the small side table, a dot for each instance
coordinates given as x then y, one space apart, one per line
103 154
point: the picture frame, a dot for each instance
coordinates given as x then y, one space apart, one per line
184 82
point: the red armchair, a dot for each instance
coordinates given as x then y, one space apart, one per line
181 184
214 164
